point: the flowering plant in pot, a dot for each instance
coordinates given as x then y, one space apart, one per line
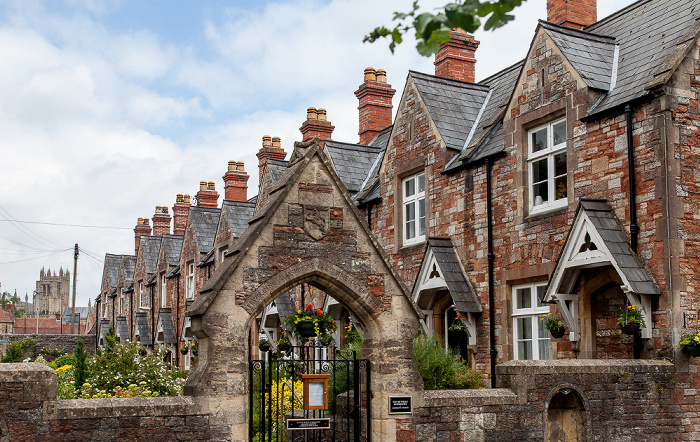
690 344
458 324
631 320
283 344
310 322
185 348
264 344
555 324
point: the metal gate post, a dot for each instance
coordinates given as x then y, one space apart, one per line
357 414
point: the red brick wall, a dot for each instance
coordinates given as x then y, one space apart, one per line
572 13
374 105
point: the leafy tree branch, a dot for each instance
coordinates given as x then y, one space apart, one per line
433 29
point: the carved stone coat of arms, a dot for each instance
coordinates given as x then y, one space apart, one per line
317 221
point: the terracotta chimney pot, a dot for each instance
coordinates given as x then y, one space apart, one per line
370 74
267 141
311 113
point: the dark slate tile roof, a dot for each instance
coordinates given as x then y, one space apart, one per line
276 168
370 186
647 33
129 264
601 215
453 105
150 245
237 214
112 263
463 296
382 138
166 331
487 136
284 308
104 330
352 162
80 313
173 247
590 54
205 221
144 330
208 259
122 329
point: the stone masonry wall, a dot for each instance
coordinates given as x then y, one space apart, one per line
65 343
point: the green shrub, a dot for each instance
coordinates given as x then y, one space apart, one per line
80 363
440 368
15 351
62 360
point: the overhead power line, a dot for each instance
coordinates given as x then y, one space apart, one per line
67 225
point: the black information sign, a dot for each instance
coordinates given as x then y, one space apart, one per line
400 405
308 424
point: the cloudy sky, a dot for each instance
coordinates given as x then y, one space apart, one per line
110 108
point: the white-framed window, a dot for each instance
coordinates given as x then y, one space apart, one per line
223 255
163 291
413 209
189 281
121 302
547 166
142 296
531 339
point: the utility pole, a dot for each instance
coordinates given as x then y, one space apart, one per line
75 272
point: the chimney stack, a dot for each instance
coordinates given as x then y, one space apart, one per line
575 14
161 221
207 196
455 59
316 125
374 96
180 211
269 150
236 182
142 229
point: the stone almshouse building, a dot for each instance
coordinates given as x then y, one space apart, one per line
564 183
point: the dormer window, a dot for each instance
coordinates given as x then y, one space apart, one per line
547 170
163 291
142 295
189 281
414 209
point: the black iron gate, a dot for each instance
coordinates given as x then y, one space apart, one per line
276 396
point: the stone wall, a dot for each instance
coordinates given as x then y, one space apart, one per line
65 343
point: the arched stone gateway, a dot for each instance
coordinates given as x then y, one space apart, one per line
308 231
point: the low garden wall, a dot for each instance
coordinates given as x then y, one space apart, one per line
621 400
66 343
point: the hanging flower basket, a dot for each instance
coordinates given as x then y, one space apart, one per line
630 329
692 350
264 344
184 350
690 344
310 322
283 344
557 332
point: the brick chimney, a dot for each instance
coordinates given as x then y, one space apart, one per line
236 182
207 196
575 14
455 59
375 105
142 229
269 150
316 125
161 221
180 211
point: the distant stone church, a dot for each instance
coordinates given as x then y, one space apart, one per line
53 291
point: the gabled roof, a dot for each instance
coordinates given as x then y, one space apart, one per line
150 247
596 239
442 270
352 162
122 329
165 333
653 37
80 314
205 220
276 168
172 244
592 55
112 263
129 265
142 330
453 105
237 214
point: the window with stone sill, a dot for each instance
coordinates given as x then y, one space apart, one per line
531 339
189 281
547 168
142 297
163 291
413 209
121 302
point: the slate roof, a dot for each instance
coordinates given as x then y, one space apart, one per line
591 55
122 329
370 186
208 259
150 245
237 214
601 216
205 221
276 168
463 296
382 138
173 246
352 162
104 330
166 331
129 264
112 263
143 329
453 105
80 314
651 35
284 308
